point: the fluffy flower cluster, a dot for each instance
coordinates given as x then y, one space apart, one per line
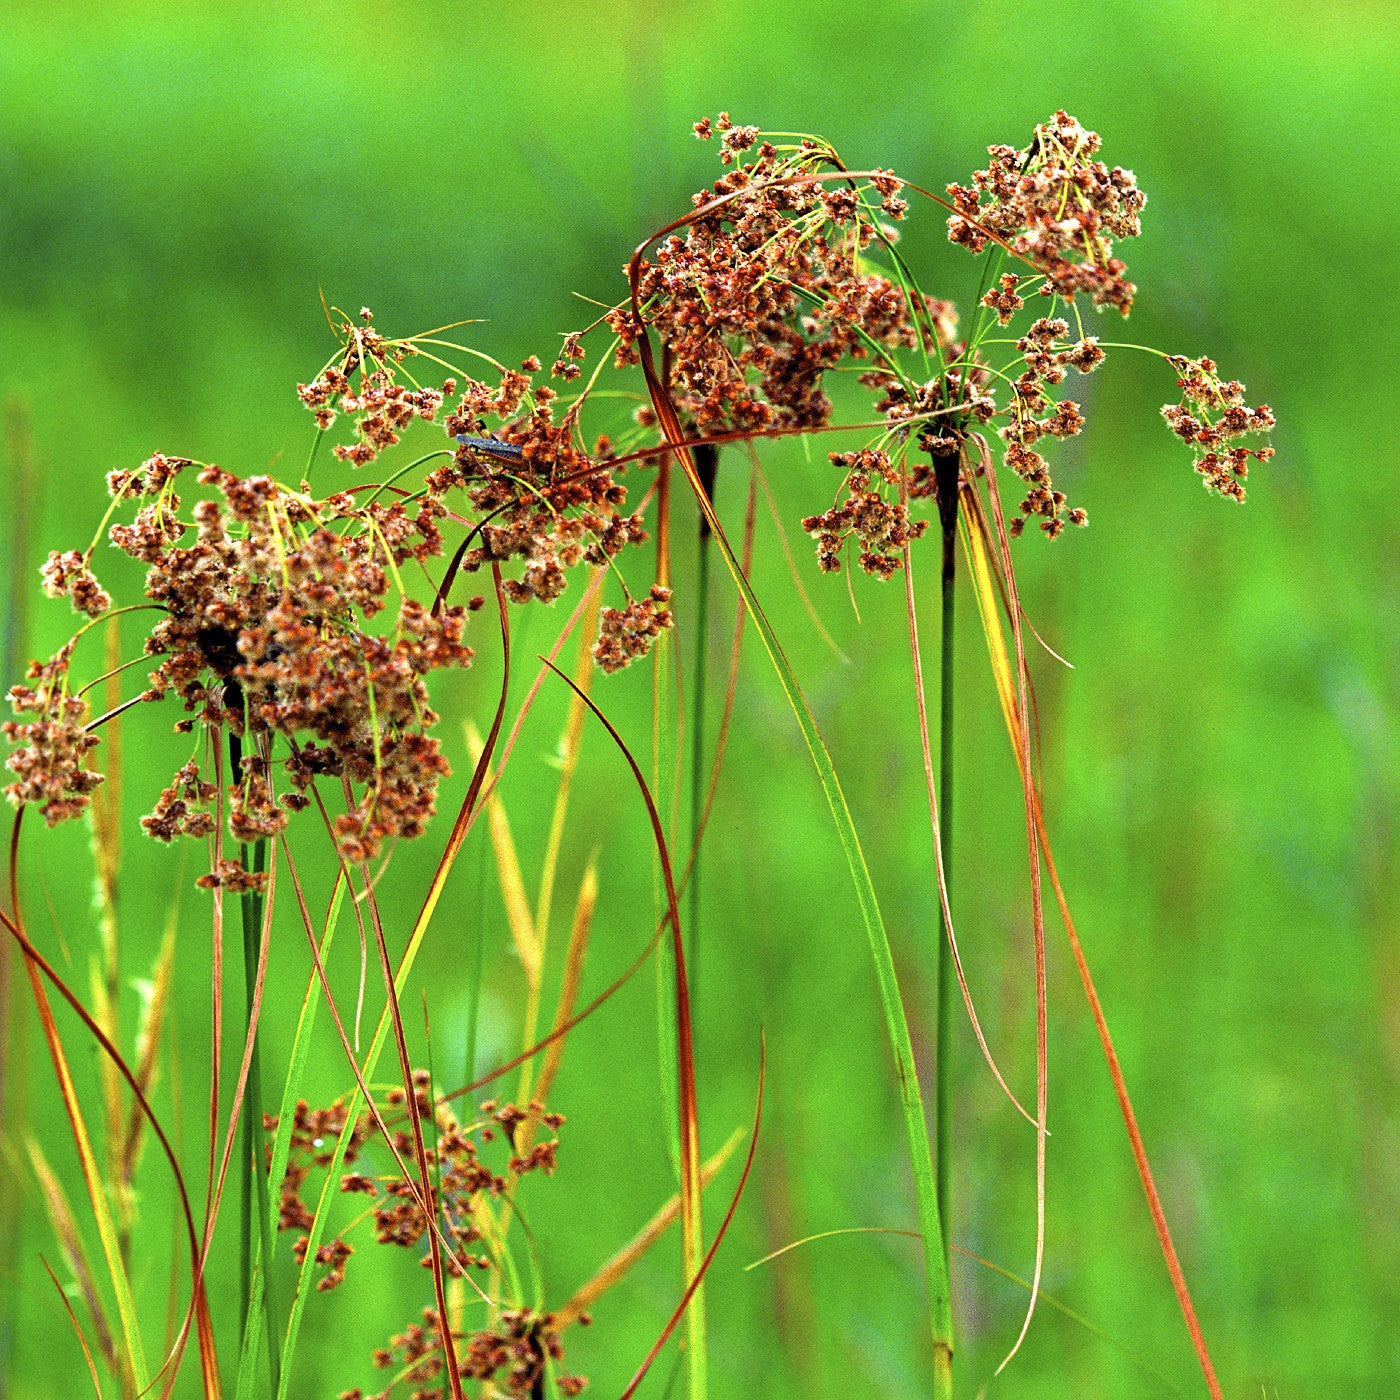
549 503
1056 208
936 411
380 406
460 1173
50 762
69 576
880 526
1213 413
625 634
265 630
766 291
511 1354
1033 414
540 498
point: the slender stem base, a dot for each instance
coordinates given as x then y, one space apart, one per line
253 1194
946 481
706 457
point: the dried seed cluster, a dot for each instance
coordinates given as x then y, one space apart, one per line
880 526
50 762
510 1354
380 406
624 634
459 1173
1220 415
1055 208
68 575
265 631
766 291
1033 414
268 593
551 505
269 596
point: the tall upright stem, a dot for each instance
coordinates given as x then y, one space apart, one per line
706 457
253 1193
946 480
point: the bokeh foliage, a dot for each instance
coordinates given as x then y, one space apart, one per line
1220 766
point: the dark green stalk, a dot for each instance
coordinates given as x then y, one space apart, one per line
22 507
475 969
706 465
946 480
253 1177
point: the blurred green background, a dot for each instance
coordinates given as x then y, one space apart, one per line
181 181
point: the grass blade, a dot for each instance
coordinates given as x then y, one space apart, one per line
77 1329
134 1359
692 1237
573 975
719 1236
148 1037
621 1263
70 1241
978 547
897 1026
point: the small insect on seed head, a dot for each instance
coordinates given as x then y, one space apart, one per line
492 447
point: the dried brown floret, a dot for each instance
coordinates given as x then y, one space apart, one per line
68 575
50 761
510 1357
758 299
458 1173
331 1257
881 527
183 807
1055 208
626 634
1003 298
229 875
265 631
1220 416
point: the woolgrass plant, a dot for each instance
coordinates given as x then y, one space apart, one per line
298 629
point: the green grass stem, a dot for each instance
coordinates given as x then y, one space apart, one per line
254 1149
896 1023
946 472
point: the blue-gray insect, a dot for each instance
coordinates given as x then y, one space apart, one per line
492 447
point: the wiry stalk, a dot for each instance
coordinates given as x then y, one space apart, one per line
901 1046
706 465
706 460
946 481
21 508
253 1195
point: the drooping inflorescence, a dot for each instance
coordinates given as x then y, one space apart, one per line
1056 209
513 1353
285 618
50 762
1211 415
786 272
268 630
767 289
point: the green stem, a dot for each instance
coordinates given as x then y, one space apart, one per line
946 480
706 464
253 1177
706 461
253 1136
901 1045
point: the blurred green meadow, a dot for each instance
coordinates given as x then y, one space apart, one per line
182 184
